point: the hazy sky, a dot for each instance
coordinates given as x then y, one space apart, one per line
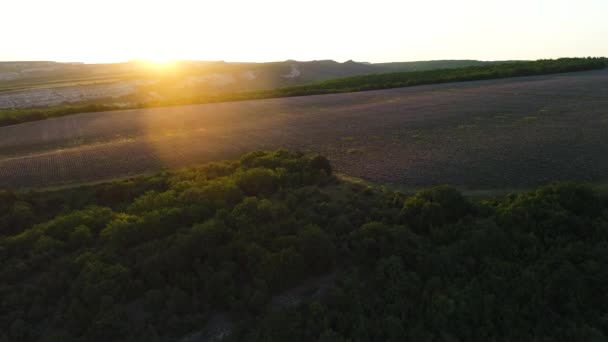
267 30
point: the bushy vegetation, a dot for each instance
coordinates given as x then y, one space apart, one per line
155 258
341 85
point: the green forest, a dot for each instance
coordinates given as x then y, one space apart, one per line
341 85
156 258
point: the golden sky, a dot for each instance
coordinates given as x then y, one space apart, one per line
270 30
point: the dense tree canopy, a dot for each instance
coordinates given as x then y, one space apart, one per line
159 258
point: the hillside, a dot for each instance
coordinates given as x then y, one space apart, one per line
272 247
48 84
36 75
197 82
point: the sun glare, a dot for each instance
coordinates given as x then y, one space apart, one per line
157 64
160 63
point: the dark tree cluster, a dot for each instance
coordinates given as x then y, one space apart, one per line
155 258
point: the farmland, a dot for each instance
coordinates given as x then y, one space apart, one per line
178 86
48 84
479 135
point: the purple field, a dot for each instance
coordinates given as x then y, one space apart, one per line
508 133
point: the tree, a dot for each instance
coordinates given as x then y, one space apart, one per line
80 237
317 249
257 181
435 207
320 163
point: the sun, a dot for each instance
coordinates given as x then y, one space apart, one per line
157 64
156 57
160 60
162 63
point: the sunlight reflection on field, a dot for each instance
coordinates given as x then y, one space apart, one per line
228 129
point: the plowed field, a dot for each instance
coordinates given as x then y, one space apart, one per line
506 133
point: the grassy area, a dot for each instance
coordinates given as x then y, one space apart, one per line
342 85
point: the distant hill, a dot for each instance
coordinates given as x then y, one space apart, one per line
46 84
216 74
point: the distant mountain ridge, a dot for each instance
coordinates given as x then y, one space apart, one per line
42 83
305 71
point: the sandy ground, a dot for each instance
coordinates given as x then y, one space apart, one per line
489 134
